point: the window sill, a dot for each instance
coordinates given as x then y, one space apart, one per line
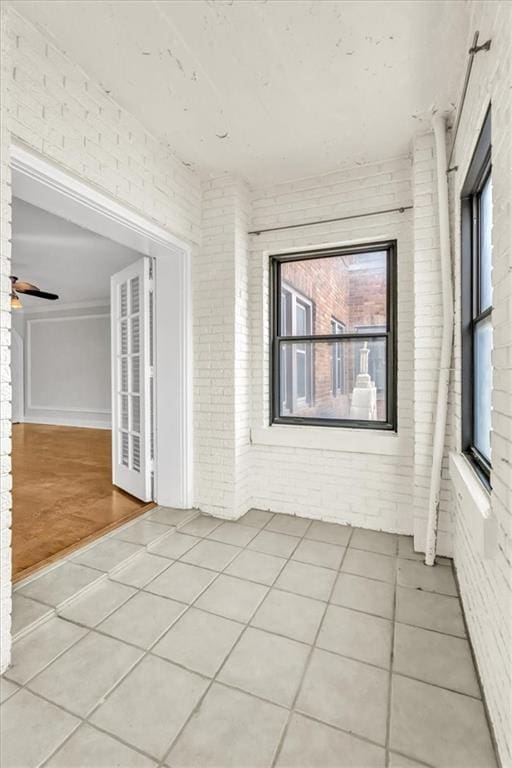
475 501
344 439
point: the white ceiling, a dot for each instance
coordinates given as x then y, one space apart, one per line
270 90
61 257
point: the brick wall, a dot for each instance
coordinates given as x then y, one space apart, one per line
369 490
486 581
221 351
52 107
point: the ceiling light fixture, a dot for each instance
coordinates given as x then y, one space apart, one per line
15 301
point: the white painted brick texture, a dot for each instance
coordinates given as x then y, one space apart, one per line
373 491
221 351
51 106
486 583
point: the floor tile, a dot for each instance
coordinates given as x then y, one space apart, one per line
31 730
438 659
266 665
358 635
143 532
232 598
97 603
211 554
36 650
374 541
319 553
347 694
309 744
174 546
90 748
289 524
366 595
256 566
170 516
141 570
307 580
233 533
199 640
256 518
182 582
26 611
107 555
7 689
231 729
290 615
330 533
370 564
406 549
438 578
151 705
430 611
201 525
142 619
61 583
419 710
80 678
399 761
274 543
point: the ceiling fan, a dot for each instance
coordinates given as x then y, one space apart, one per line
18 286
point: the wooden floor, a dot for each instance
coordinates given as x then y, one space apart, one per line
62 493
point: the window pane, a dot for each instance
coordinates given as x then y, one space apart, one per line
352 288
485 227
310 382
483 387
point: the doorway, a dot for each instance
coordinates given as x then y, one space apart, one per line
67 487
61 460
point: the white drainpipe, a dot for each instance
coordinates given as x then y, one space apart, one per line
439 126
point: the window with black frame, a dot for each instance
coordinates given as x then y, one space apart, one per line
476 306
333 337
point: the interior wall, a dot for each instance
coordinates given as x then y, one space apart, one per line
357 477
483 561
67 367
50 105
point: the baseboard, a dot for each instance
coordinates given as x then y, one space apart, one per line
67 421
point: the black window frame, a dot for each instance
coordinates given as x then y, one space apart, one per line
276 260
478 172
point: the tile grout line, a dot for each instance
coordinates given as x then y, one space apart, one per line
228 655
145 653
144 589
149 650
391 663
284 732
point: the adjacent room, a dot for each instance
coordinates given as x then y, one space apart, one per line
63 492
256 384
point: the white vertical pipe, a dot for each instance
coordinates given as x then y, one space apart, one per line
439 126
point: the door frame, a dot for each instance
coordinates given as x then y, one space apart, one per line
47 186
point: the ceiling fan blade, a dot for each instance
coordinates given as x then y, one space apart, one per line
40 294
23 287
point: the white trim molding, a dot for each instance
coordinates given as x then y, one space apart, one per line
475 502
326 439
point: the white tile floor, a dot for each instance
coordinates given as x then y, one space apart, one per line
271 641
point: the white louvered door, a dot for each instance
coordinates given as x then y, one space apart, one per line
131 307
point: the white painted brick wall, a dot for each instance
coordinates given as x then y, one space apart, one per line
51 106
486 583
221 351
373 491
